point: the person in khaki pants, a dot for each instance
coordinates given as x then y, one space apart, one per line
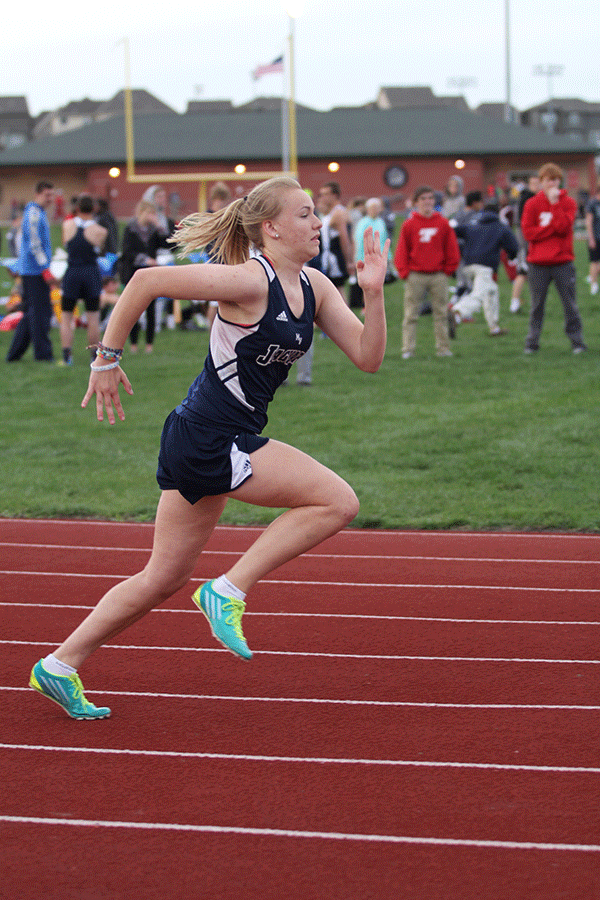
426 254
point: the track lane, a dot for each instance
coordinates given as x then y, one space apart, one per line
303 868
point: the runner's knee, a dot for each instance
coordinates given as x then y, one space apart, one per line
347 505
164 581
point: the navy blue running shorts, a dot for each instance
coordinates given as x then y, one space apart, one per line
81 283
199 461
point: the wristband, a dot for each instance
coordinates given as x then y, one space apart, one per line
112 365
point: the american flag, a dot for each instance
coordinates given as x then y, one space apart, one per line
275 66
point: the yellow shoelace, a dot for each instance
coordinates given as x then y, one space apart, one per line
235 617
78 692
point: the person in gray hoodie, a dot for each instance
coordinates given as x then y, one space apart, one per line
454 199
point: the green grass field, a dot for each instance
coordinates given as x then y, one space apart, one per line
490 439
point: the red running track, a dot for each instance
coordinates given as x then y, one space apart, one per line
420 720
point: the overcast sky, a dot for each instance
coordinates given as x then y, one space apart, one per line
344 51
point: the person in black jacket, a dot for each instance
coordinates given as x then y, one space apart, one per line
165 227
141 240
105 218
482 242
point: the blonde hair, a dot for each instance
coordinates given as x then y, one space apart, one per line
144 206
220 191
231 231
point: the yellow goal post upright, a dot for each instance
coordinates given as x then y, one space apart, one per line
201 178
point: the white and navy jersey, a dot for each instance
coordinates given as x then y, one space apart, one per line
80 252
247 363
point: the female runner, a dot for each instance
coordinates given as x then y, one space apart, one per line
211 445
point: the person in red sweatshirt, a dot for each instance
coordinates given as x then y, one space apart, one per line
426 254
547 225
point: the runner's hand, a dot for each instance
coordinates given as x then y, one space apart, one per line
105 385
371 273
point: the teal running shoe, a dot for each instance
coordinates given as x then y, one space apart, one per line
224 616
67 691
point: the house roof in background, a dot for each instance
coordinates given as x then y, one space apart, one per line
142 101
342 133
16 105
569 104
209 106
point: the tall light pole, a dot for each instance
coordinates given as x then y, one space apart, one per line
508 114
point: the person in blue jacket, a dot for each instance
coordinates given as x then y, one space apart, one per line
483 241
34 268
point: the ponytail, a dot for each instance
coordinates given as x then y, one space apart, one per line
233 230
222 230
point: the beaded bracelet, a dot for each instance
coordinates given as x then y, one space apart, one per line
116 352
106 352
103 354
112 365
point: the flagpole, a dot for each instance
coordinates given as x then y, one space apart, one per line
293 146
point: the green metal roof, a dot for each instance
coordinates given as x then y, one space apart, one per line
343 133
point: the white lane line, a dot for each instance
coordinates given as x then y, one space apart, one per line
312 760
485 659
330 702
360 533
313 615
290 833
343 584
315 555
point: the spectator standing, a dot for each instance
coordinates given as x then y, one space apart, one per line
547 225
592 227
13 240
372 219
530 190
105 218
83 239
454 202
140 243
336 255
356 210
483 241
34 268
335 258
426 254
164 255
14 233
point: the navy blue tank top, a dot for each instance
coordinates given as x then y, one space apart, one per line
247 363
81 252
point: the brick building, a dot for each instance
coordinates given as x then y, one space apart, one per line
369 150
